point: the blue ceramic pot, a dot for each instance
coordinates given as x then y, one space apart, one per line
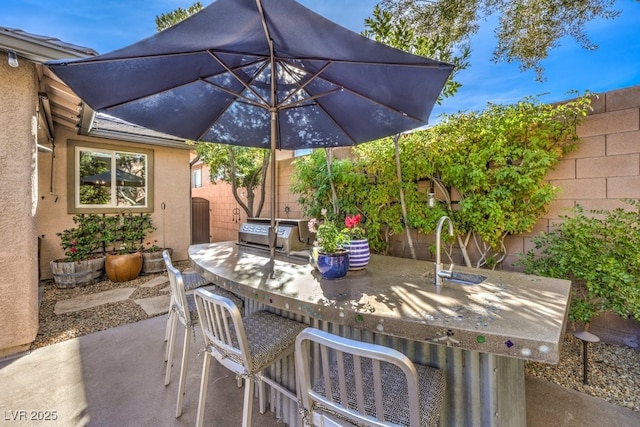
333 266
359 254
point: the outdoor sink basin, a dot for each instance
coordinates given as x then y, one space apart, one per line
465 278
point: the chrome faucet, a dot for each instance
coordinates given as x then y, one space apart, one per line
440 273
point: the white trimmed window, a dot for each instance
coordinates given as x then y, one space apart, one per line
110 178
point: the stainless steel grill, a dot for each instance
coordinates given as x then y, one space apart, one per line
293 234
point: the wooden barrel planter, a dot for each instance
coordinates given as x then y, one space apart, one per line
122 268
152 262
69 274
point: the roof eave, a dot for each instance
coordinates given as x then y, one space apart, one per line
35 50
141 139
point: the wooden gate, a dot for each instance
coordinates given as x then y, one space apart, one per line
199 220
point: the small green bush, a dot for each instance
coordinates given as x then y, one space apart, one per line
599 251
96 234
125 232
85 239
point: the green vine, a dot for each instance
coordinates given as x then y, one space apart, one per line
489 167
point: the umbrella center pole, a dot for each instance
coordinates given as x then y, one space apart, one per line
273 233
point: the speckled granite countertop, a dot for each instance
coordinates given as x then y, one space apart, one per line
508 314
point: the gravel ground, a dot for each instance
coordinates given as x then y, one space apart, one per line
614 370
55 328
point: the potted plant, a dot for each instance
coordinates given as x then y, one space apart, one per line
152 260
333 259
358 245
125 233
84 262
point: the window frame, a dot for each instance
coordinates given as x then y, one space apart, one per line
73 177
195 183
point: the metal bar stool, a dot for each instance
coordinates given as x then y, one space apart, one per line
192 280
244 346
362 383
183 309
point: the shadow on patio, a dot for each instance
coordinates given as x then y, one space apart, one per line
116 378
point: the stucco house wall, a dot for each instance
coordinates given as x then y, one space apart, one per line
33 194
171 190
18 193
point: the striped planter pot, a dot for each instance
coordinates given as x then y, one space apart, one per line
359 254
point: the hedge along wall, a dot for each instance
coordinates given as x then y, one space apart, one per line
603 170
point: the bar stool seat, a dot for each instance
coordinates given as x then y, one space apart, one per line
245 346
362 383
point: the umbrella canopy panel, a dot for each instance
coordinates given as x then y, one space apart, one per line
209 78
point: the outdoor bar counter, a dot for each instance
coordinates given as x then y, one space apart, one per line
480 334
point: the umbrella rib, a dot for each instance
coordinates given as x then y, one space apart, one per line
229 52
389 107
284 65
319 75
245 85
348 135
309 98
237 95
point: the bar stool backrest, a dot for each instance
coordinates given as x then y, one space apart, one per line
350 382
223 331
178 294
167 258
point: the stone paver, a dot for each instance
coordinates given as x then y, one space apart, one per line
92 300
155 282
154 305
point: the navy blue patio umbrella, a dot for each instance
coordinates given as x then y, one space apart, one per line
261 73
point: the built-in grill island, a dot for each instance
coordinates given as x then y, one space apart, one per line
294 237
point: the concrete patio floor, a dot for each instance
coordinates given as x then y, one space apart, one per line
116 378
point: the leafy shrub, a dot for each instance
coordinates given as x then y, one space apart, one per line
85 240
599 251
493 162
95 234
125 232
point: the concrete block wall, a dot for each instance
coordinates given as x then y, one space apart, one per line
602 172
223 221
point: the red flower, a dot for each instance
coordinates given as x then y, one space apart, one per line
352 221
73 249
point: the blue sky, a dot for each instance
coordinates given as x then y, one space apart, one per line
110 24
